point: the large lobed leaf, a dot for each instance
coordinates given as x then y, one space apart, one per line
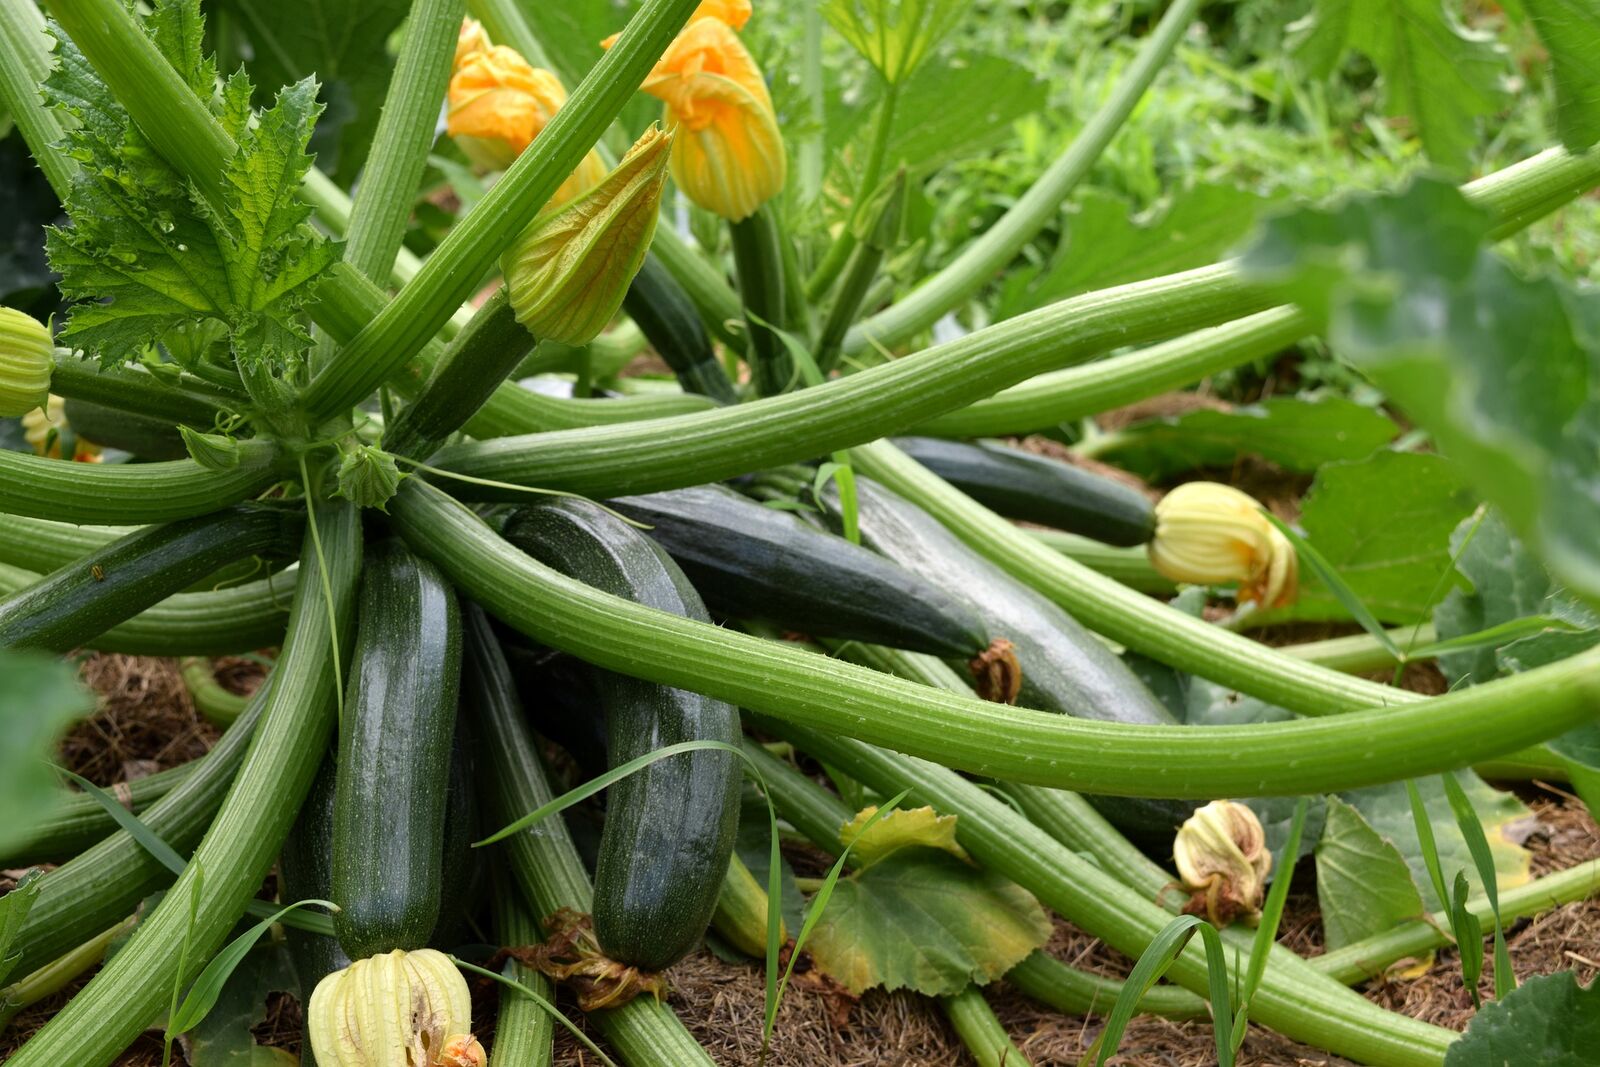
39 698
148 253
1434 72
1502 370
1549 1020
1570 30
1363 884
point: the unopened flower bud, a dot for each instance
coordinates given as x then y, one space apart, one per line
498 103
727 155
368 477
470 41
568 272
26 360
399 1009
1211 534
1223 860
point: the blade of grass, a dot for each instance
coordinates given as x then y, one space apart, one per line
814 913
1221 1002
1152 964
152 843
550 1008
183 964
1271 915
1469 937
208 987
1430 848
1341 590
1505 980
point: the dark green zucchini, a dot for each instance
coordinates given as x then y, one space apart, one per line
1065 668
461 876
394 755
671 323
145 436
670 827
752 561
305 872
84 599
1021 485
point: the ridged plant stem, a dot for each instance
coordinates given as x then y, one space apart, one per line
1283 758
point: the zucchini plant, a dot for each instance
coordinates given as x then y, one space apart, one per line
289 454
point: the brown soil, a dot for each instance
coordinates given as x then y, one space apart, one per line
147 722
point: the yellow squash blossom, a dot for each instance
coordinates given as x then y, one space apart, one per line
27 357
498 104
1211 534
397 1009
727 155
733 12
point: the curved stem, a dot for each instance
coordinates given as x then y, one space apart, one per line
131 494
975 1023
399 154
130 388
24 63
981 260
514 409
838 253
1068 395
1283 758
671 453
219 622
227 868
43 545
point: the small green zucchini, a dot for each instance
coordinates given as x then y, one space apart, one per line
669 828
394 755
1021 485
83 599
671 323
758 263
1065 668
752 561
145 436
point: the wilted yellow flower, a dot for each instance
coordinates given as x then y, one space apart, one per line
568 271
398 1009
1223 860
1210 534
44 428
727 156
27 356
498 104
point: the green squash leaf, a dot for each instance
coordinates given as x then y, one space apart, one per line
1550 1020
223 1037
1570 30
1363 884
14 908
39 698
1434 72
924 920
1502 370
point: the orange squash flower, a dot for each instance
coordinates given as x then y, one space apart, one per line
727 154
498 104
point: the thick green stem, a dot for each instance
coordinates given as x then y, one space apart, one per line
105 883
758 261
130 388
1130 566
131 494
85 598
24 63
1284 758
524 1031
668 454
514 408
449 275
394 167
1066 396
78 821
220 622
975 1023
43 545
222 706
227 869
542 859
985 257
1293 998
844 244
1359 653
